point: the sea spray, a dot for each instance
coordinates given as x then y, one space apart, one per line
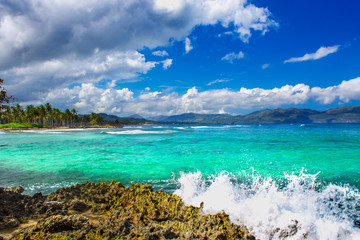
295 207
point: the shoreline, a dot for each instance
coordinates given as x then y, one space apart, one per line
106 211
59 128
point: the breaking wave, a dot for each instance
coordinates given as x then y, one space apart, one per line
296 207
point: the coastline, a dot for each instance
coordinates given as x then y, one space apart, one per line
59 128
109 211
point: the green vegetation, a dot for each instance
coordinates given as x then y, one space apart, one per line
22 125
47 115
4 99
15 116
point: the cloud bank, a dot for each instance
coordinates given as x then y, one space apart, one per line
87 97
40 39
320 53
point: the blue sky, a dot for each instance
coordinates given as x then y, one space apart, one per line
171 57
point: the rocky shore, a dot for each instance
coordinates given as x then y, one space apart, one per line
109 211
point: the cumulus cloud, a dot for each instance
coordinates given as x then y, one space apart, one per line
346 91
188 45
230 57
87 97
159 53
58 35
33 79
320 53
167 63
219 81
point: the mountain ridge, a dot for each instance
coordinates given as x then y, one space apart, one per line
344 114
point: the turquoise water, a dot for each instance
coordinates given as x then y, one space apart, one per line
158 153
191 160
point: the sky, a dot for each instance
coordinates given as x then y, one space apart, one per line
166 57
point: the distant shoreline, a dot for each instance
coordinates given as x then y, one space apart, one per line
59 128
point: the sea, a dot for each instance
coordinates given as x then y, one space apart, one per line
297 181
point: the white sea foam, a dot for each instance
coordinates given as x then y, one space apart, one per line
130 132
46 188
295 209
182 128
53 131
218 126
131 126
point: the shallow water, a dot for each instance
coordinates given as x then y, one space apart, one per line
264 176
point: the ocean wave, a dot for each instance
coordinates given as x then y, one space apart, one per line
46 188
201 127
130 132
53 131
299 207
132 126
218 126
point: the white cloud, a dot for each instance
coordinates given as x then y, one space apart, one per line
320 53
167 63
188 45
230 57
87 97
36 77
44 38
159 53
265 66
219 81
346 91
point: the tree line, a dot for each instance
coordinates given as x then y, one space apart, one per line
42 114
47 115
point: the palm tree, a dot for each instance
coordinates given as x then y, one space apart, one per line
74 115
68 116
30 113
42 113
17 113
56 116
49 114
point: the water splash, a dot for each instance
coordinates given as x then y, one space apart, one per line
297 207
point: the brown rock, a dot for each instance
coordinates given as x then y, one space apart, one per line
60 223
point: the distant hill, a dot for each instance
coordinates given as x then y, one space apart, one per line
338 115
108 117
136 116
289 115
133 119
194 117
273 116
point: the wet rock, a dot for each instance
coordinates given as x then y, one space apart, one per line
15 206
134 212
8 222
78 206
291 230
